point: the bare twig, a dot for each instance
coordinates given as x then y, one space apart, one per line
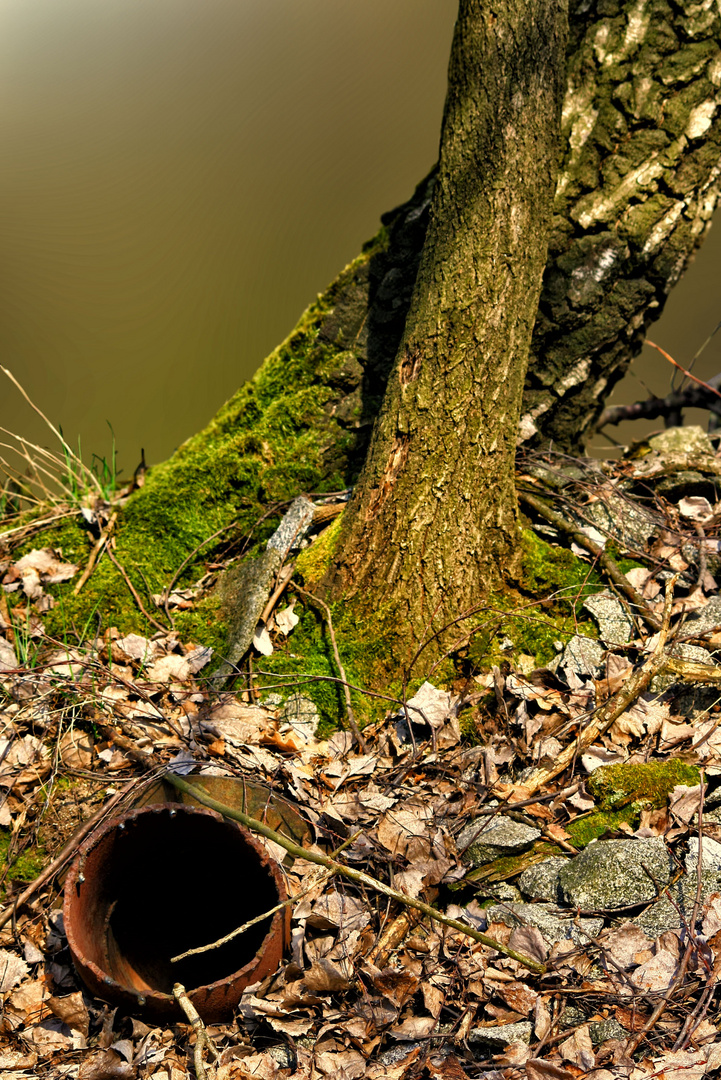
357 876
95 554
284 576
699 382
202 1038
341 670
136 597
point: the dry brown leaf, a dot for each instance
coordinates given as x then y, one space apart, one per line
448 1068
12 970
324 974
657 973
106 1065
519 997
712 916
76 749
405 830
579 1049
413 1027
72 1011
541 1019
623 943
538 1069
433 998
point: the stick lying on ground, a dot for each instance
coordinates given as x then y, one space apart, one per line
358 876
202 1038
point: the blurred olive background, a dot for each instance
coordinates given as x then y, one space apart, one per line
179 178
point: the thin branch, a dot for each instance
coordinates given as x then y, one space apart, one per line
95 554
136 597
358 876
693 378
341 670
202 1038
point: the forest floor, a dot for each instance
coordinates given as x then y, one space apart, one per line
370 987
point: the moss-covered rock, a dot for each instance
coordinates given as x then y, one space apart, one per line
623 791
645 784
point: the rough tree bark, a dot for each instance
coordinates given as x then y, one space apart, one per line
433 520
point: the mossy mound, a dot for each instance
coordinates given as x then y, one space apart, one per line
647 784
24 867
623 791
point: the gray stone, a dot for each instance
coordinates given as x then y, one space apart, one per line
606 1029
501 1034
614 623
299 709
504 891
553 923
673 913
691 441
630 523
540 882
612 874
486 839
685 482
582 655
700 622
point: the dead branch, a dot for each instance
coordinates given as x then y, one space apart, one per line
95 554
136 596
202 1038
358 876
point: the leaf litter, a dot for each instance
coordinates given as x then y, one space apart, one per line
370 988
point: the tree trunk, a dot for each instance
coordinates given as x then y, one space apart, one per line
433 517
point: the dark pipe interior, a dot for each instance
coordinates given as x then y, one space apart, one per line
176 881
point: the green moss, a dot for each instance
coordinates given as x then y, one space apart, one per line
364 646
591 826
624 791
26 866
509 866
313 562
545 610
646 784
547 569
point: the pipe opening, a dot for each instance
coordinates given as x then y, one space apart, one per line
164 880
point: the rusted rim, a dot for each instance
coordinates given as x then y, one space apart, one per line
89 907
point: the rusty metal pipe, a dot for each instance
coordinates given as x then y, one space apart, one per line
163 879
